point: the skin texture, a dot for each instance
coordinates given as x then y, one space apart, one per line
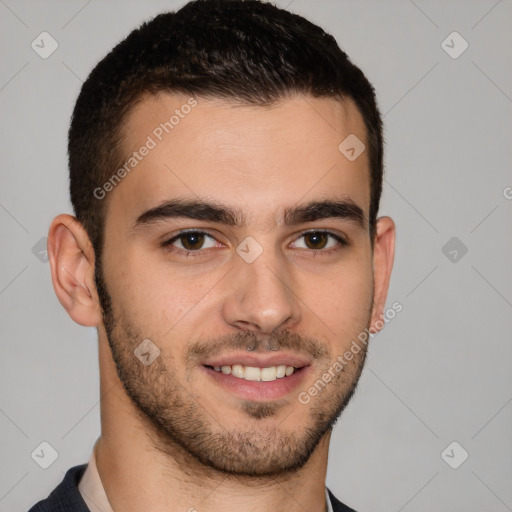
170 427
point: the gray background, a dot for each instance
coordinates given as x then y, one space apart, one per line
438 373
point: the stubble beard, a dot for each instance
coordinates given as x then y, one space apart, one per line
180 425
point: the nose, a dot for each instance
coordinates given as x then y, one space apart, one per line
261 298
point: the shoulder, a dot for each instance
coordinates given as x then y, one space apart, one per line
65 497
337 505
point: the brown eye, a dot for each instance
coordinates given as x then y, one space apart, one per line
316 240
192 241
320 241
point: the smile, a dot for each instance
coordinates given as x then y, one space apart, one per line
254 373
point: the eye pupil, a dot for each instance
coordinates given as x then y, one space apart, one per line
316 238
192 241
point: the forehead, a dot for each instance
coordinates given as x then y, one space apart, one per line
259 159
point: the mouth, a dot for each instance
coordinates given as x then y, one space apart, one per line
254 373
254 378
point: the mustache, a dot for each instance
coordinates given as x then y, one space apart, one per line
247 340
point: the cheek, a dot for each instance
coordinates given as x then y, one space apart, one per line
157 298
343 300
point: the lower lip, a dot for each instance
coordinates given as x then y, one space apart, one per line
259 390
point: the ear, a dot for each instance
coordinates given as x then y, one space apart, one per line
71 258
383 256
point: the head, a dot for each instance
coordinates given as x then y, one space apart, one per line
220 220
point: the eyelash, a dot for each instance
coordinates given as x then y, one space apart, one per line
200 252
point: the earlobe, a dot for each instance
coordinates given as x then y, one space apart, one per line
71 258
383 256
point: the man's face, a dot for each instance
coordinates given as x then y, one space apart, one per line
271 286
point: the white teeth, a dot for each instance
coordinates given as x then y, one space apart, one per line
238 371
268 374
254 373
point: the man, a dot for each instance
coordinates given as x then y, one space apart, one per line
225 173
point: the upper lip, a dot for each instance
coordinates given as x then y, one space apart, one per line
259 360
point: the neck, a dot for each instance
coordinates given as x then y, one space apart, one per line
140 472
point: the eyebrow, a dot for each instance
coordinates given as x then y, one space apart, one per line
212 211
